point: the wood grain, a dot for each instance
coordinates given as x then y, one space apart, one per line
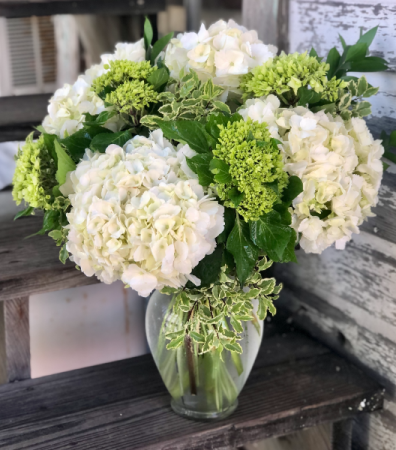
29 266
25 8
14 340
296 383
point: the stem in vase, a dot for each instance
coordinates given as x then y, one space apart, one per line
190 364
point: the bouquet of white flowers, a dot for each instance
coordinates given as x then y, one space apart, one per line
190 165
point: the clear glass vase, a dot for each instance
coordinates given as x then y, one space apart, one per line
202 386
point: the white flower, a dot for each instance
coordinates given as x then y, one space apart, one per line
137 216
67 106
224 52
338 163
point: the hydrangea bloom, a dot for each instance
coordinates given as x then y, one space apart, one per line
138 215
224 52
69 103
34 175
338 162
285 74
254 161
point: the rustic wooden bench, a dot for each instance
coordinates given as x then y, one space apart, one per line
296 382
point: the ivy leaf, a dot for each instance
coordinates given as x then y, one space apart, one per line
186 131
229 219
101 141
222 107
197 337
271 235
221 171
244 251
293 190
362 86
63 254
65 163
208 268
235 347
199 164
175 343
159 78
159 46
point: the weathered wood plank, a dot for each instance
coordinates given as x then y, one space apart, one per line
14 340
109 406
29 266
25 8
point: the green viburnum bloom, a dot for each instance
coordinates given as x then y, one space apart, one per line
255 168
34 176
285 74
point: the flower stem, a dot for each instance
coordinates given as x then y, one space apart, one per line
190 364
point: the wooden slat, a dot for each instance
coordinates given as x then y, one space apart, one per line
295 383
25 8
14 340
29 266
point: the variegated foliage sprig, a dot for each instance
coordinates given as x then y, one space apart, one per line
188 99
213 315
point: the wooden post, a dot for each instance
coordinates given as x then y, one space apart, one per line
14 340
342 435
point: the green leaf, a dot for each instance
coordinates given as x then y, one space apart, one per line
147 35
271 235
369 64
362 86
197 337
169 290
370 91
313 53
222 107
229 220
26 212
49 142
385 166
293 190
235 347
368 37
186 131
63 254
99 119
199 164
392 139
308 96
390 156
208 269
333 58
214 120
221 171
78 142
356 52
345 101
323 214
159 46
343 43
101 141
235 196
175 343
236 324
159 78
244 251
283 210
65 163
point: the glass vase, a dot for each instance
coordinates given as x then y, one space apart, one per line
202 386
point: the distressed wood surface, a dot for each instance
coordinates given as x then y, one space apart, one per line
14 340
25 8
295 383
29 266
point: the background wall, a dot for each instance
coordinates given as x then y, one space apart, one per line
348 298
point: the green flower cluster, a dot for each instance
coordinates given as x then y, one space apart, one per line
285 74
34 176
255 166
125 85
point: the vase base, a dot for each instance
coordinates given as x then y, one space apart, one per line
181 410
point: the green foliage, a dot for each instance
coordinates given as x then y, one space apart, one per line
284 75
188 99
65 164
354 57
148 34
214 313
248 168
389 143
159 46
101 141
34 176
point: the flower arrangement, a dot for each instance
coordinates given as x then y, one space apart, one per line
191 169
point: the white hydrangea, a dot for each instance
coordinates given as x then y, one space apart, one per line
138 215
338 162
67 106
224 52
